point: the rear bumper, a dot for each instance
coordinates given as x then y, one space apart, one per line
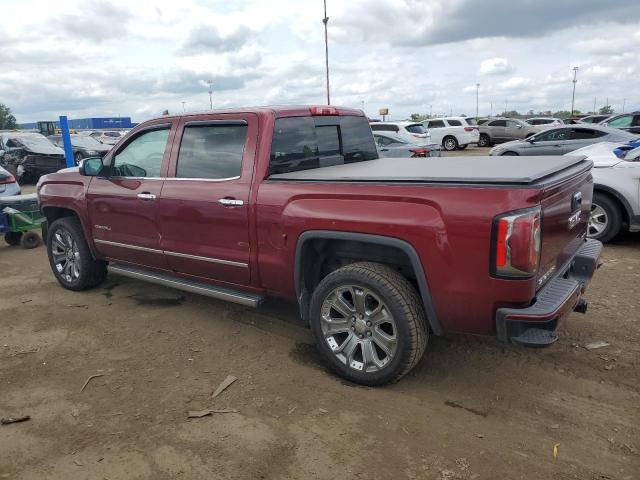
536 325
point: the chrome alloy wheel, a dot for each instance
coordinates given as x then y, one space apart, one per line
359 328
598 220
66 256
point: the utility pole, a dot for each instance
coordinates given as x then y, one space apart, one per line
430 111
491 109
624 103
573 96
506 107
325 20
183 107
594 105
477 96
210 82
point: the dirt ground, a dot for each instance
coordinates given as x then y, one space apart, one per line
472 409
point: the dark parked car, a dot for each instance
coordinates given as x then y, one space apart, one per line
625 121
84 146
594 118
29 155
396 145
8 184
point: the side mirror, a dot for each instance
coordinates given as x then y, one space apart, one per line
530 139
520 126
90 167
605 124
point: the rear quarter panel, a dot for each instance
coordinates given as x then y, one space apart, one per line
449 227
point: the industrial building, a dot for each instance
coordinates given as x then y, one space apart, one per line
94 123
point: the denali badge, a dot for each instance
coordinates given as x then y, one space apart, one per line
574 219
102 227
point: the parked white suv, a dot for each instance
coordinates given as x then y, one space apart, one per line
453 133
414 129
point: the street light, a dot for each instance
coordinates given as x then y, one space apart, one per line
210 82
325 20
477 94
573 96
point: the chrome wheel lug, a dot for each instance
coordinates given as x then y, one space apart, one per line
368 323
353 328
368 333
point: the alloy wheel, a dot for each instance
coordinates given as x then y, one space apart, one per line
359 328
598 220
66 256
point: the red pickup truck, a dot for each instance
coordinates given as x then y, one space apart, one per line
294 203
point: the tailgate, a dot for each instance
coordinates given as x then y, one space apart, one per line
565 214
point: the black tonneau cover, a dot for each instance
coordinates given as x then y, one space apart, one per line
493 170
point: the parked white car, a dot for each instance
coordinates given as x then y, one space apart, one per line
407 128
616 190
545 121
453 133
108 137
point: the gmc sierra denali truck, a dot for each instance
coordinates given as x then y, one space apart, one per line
294 203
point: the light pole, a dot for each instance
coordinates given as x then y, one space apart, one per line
477 94
430 111
624 104
210 82
183 107
573 96
325 20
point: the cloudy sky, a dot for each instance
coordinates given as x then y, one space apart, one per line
137 58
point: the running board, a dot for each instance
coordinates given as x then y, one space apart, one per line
243 298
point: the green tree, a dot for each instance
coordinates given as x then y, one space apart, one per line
417 117
606 110
7 121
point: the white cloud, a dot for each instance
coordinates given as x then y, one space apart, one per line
495 66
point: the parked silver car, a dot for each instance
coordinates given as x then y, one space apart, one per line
8 184
398 145
561 140
616 187
545 121
497 130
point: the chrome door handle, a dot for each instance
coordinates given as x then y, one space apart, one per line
146 196
230 202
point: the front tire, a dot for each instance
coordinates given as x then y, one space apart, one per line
369 323
70 258
450 143
30 240
13 238
605 219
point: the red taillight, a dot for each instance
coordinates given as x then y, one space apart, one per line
420 152
517 241
324 111
469 129
9 179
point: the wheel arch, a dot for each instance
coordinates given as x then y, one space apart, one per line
329 240
625 206
53 213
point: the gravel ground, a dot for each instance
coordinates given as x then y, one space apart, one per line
472 409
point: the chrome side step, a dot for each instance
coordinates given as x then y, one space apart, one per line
243 298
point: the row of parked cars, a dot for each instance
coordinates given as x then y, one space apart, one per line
28 155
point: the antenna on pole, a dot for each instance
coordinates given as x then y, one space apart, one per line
325 20
573 96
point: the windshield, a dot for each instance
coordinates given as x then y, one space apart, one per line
633 155
36 144
86 141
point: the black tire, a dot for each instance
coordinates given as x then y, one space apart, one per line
509 153
613 218
30 240
449 143
91 272
484 140
402 301
13 238
78 158
462 147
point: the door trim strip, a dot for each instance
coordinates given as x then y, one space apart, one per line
173 254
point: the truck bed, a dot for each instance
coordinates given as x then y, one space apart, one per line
511 170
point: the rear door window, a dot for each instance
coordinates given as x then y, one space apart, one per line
585 134
497 123
302 143
384 127
211 151
436 124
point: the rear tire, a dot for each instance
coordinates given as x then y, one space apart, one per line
30 240
13 238
605 219
484 140
381 333
449 143
71 260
